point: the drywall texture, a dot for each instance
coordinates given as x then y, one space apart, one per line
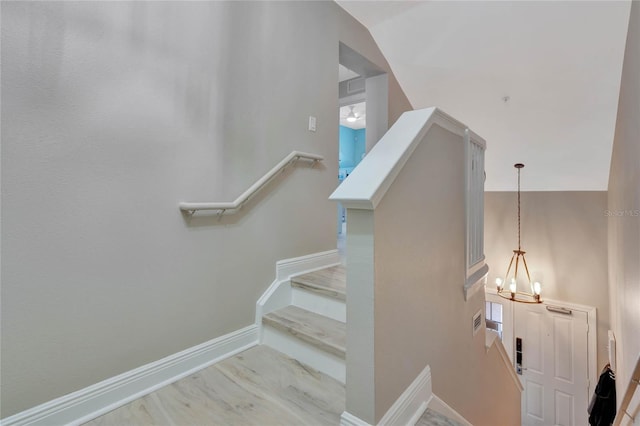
112 113
623 212
421 317
565 236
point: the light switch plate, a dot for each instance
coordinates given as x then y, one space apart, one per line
312 123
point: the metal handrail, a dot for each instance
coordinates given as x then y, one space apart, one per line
233 206
628 396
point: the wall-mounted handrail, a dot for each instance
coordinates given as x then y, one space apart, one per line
634 383
233 206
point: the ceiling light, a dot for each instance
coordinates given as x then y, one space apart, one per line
351 117
531 294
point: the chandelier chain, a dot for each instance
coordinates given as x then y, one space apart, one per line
519 248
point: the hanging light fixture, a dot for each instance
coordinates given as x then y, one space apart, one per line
508 287
351 117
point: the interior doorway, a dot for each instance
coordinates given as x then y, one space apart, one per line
352 147
363 114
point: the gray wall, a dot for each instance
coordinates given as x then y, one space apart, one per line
624 212
565 237
112 113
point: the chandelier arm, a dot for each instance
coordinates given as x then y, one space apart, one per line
517 261
526 268
506 277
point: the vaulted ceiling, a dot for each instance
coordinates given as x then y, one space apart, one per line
539 80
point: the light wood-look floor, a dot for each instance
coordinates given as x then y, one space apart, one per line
259 386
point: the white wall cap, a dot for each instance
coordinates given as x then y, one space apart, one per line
370 180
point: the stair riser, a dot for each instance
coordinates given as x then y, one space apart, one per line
304 352
319 304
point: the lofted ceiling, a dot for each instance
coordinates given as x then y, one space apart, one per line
538 80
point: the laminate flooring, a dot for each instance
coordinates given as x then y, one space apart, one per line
259 386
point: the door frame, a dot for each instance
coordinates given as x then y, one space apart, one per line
592 335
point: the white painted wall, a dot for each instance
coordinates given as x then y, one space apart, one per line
624 213
112 113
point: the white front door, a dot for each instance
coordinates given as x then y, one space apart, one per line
551 350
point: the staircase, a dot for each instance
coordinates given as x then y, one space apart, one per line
312 329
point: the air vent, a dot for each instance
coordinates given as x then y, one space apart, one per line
356 85
477 322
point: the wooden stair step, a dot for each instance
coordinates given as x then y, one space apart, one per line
331 282
324 333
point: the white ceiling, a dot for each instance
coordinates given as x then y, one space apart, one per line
360 111
538 80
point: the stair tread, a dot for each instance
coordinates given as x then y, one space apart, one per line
325 333
330 282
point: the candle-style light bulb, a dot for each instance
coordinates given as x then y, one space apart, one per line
499 283
537 288
512 286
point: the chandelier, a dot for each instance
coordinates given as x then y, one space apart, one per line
508 287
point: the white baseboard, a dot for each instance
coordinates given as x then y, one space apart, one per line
411 404
348 419
93 401
309 263
407 409
278 295
439 406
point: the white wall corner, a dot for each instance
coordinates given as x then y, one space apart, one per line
412 403
348 419
93 401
